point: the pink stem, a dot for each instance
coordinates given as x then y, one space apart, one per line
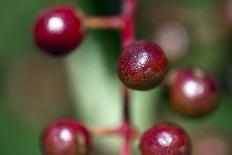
128 14
126 150
128 36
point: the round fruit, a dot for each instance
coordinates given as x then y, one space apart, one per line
165 139
142 65
58 30
65 137
193 92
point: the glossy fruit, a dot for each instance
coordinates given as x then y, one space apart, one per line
58 30
142 65
65 137
165 139
193 92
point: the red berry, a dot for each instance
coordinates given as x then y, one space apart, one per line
165 139
59 30
142 65
65 137
193 92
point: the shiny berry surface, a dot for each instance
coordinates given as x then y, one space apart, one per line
58 30
65 137
165 139
142 65
193 92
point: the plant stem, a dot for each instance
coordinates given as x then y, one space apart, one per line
126 110
128 15
126 150
100 132
126 23
128 36
113 22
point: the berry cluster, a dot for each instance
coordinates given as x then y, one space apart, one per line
142 65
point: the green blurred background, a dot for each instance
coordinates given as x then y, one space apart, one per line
37 88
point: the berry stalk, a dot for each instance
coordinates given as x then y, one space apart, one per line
114 22
128 36
125 23
126 110
128 14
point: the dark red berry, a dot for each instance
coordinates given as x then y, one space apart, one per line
142 65
59 30
65 137
193 92
165 139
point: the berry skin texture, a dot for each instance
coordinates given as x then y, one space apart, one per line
142 65
58 30
165 139
65 137
193 92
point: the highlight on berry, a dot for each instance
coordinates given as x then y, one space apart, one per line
165 139
193 92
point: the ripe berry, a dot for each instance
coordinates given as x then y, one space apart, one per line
65 137
142 65
193 92
165 139
58 30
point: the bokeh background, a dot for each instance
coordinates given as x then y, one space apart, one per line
37 88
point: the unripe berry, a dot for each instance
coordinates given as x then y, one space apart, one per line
193 92
65 137
58 30
142 65
165 139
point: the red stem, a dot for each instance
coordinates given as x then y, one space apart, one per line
128 36
126 23
128 14
126 150
126 110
